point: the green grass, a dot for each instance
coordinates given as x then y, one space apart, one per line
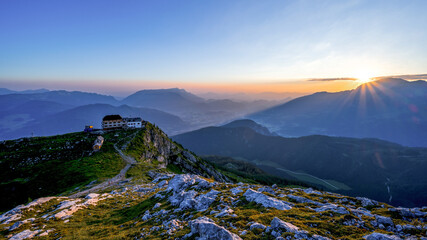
307 178
43 166
242 171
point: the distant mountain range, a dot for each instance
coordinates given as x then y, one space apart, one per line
4 91
370 167
390 108
44 112
192 108
74 120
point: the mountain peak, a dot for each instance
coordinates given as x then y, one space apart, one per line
390 81
248 123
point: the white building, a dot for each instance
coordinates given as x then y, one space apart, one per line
133 122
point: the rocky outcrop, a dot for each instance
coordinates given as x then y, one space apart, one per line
26 234
158 146
187 199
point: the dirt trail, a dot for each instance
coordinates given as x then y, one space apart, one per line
119 177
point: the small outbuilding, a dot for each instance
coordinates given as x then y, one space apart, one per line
88 128
98 143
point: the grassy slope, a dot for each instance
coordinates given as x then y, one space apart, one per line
120 218
43 166
242 171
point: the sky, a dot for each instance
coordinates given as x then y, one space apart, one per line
222 45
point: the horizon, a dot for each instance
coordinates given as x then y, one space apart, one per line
329 84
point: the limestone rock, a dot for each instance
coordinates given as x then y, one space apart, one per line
366 201
381 236
311 191
25 234
383 220
236 190
257 225
278 225
208 230
205 200
333 208
181 182
299 199
92 196
266 201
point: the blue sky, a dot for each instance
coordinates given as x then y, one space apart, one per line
219 41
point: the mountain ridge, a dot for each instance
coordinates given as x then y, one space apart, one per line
390 109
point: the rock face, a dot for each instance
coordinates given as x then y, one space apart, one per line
266 201
208 230
162 149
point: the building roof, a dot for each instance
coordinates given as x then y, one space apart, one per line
112 117
137 119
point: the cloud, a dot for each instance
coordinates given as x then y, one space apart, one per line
406 77
332 79
411 76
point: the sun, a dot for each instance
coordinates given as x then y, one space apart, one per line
364 78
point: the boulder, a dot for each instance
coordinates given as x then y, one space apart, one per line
360 211
381 236
203 184
205 200
333 208
318 237
409 212
177 198
257 225
172 226
299 199
146 216
25 234
278 225
208 230
384 220
181 182
311 191
236 190
266 201
366 201
92 196
225 212
266 189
